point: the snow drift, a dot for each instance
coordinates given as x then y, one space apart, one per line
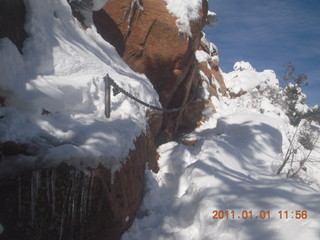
230 168
55 92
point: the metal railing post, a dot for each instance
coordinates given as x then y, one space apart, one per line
107 96
108 82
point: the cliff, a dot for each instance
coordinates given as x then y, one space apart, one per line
67 171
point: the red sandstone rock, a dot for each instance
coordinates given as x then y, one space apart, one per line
212 71
154 46
65 203
217 74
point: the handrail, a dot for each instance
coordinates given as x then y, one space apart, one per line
117 89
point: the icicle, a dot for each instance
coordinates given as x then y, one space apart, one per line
19 197
62 218
19 202
53 191
64 209
73 201
48 185
90 192
84 197
74 197
32 199
35 183
69 196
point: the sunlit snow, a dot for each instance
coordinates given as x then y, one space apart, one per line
61 74
231 171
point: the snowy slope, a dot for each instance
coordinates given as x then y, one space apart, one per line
230 168
61 71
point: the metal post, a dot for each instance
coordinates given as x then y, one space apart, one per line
107 96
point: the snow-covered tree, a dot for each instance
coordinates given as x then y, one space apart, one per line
313 114
295 103
293 98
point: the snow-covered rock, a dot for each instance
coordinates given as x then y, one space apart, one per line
211 18
154 46
225 186
61 71
65 168
245 78
184 11
241 66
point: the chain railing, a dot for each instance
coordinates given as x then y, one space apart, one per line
117 89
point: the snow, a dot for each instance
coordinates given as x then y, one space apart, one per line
55 104
202 56
211 47
98 4
61 71
210 56
230 168
245 77
211 18
184 11
242 65
215 59
88 5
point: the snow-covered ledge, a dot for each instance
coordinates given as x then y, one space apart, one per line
55 93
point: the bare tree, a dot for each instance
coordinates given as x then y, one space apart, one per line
301 146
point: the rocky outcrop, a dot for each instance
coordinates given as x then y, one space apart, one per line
209 66
209 73
154 46
65 203
62 202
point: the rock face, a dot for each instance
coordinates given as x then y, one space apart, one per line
154 46
65 203
208 65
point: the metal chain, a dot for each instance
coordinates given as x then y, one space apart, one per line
119 89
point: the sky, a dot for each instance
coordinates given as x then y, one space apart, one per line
269 34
